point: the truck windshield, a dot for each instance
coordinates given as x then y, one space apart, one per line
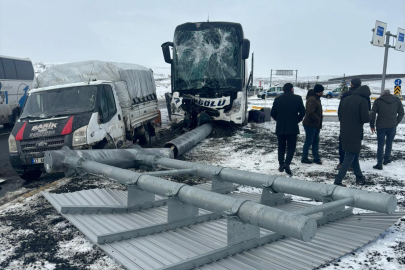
208 58
63 101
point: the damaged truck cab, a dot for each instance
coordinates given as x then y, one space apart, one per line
209 71
115 103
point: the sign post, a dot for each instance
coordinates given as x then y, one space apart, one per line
397 88
379 32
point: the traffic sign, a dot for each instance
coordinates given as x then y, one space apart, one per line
397 90
379 33
398 82
400 44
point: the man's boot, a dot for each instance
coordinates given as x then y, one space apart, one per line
306 161
287 169
361 180
378 167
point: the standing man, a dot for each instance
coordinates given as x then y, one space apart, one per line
390 113
353 114
288 110
312 124
354 85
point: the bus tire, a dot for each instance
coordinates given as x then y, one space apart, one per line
31 175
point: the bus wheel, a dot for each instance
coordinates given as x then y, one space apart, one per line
31 175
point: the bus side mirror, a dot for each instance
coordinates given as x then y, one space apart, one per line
245 49
166 52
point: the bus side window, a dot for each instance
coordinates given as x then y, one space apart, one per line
24 70
9 69
2 75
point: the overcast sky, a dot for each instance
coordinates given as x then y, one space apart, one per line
319 37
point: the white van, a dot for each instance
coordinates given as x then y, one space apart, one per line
83 105
16 77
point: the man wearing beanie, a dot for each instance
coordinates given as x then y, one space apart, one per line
288 110
312 124
354 85
353 114
390 113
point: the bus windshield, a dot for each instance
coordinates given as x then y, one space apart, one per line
63 101
208 58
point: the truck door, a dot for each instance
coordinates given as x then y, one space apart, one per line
111 116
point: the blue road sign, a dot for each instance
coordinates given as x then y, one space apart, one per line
401 37
398 82
380 31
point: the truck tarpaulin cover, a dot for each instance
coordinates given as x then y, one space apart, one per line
130 80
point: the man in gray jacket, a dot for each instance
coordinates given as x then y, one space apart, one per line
390 113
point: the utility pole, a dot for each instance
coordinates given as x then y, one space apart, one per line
378 40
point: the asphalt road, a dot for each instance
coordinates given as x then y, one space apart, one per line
10 181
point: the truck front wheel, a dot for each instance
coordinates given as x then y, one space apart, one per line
329 96
31 175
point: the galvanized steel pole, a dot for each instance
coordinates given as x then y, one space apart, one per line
285 223
387 46
379 202
186 141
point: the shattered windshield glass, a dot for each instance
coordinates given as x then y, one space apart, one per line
64 101
209 58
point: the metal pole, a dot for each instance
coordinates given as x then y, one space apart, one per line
296 77
387 46
276 220
271 74
379 202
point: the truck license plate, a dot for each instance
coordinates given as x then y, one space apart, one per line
37 160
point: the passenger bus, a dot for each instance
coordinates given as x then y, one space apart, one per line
209 71
16 77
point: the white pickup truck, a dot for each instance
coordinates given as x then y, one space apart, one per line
83 105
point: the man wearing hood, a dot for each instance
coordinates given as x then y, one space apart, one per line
312 124
354 85
353 114
390 113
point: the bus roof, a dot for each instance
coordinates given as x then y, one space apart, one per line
199 26
15 58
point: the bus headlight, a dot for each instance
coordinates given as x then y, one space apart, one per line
12 144
235 107
80 136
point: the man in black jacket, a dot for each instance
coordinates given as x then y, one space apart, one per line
353 114
354 85
390 113
288 110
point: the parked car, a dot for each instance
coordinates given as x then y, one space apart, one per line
332 93
273 91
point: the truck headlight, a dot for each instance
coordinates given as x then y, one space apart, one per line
235 107
12 144
80 136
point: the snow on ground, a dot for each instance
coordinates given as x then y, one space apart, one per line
35 236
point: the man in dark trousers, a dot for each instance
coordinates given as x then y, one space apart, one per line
312 124
288 110
390 113
354 84
353 114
